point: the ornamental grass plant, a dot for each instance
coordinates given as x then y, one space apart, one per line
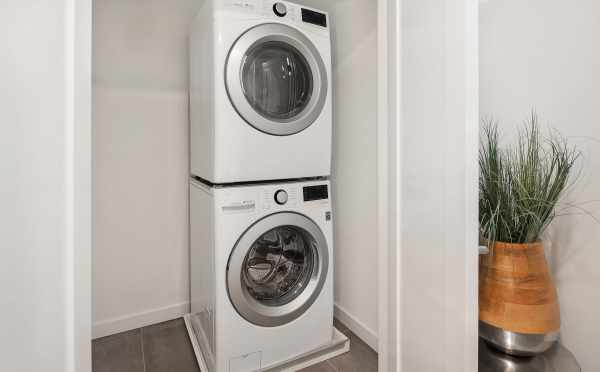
521 185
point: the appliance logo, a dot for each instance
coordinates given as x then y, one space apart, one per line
240 5
243 206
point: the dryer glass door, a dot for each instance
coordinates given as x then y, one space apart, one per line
276 79
277 269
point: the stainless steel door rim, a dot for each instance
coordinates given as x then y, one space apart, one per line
275 32
271 315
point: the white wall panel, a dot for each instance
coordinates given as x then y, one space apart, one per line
45 189
438 226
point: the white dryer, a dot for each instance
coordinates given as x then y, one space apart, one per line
261 273
260 91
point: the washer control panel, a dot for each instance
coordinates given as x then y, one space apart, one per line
313 17
315 192
274 198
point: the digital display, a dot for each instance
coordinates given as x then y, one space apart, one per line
316 18
318 192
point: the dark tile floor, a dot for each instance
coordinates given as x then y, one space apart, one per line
165 347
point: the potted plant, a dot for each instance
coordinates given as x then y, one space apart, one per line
519 188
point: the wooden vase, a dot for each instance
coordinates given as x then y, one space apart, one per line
518 303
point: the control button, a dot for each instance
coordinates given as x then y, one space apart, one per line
280 9
281 197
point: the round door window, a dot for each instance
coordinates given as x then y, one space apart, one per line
276 80
277 269
279 265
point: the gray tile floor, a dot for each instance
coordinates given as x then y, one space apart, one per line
165 347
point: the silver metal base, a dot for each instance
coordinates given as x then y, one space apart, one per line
513 343
556 359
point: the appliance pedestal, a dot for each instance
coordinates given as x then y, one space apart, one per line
340 344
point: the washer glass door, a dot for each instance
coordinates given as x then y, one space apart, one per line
277 269
276 79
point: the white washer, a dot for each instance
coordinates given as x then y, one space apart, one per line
260 91
261 273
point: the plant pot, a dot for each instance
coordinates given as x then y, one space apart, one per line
518 305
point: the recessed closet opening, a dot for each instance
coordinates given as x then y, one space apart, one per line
141 142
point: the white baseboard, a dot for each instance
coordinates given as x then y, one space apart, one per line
137 320
356 326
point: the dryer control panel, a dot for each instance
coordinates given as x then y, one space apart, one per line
279 9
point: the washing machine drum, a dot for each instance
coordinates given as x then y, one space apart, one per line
277 269
276 79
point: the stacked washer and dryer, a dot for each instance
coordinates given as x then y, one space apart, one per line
260 201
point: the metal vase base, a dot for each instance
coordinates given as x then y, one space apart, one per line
517 344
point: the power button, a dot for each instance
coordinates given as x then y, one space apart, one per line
281 197
279 9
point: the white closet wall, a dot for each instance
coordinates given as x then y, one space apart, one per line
354 177
544 55
140 162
